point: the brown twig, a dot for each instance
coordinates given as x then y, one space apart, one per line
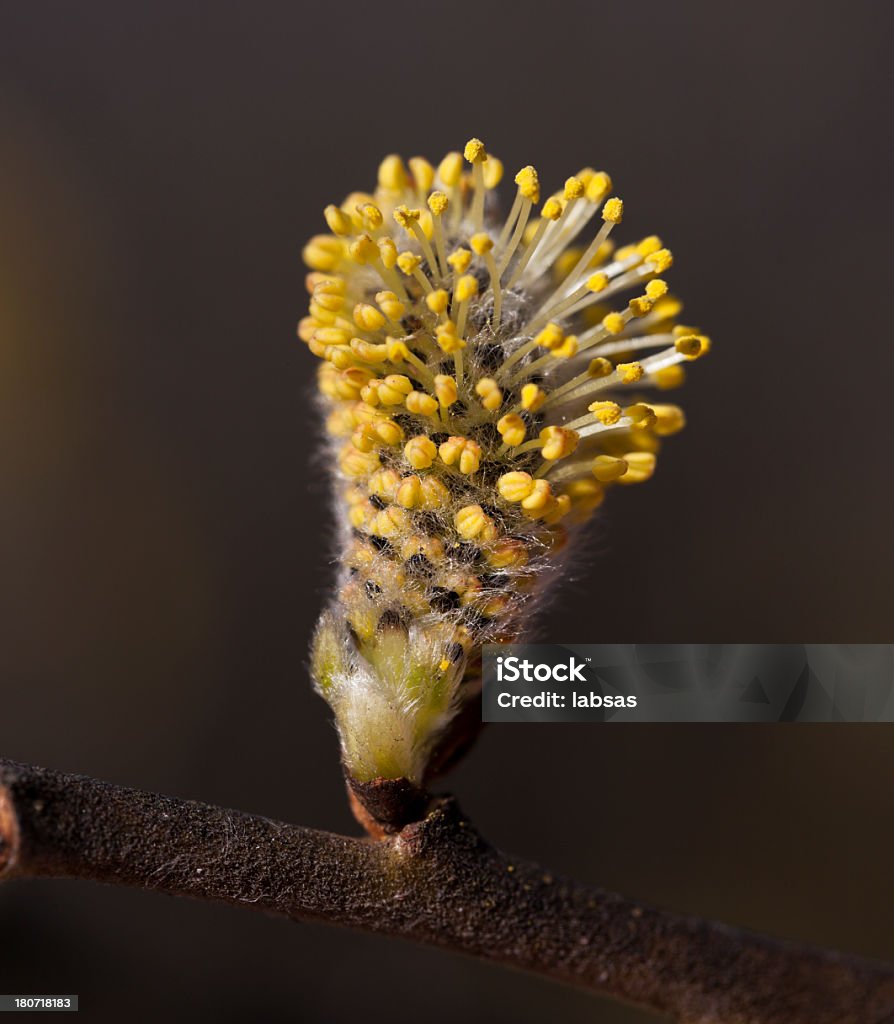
436 882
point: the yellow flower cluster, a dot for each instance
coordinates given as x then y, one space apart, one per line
484 387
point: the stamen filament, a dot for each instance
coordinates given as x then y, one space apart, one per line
520 226
427 250
510 220
529 252
440 245
477 214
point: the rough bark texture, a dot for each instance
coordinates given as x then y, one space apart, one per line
436 882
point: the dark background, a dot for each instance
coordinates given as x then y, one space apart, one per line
165 535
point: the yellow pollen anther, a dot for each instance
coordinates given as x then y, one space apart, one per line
466 288
470 521
643 415
368 318
446 390
515 486
613 210
528 183
574 188
420 452
339 222
608 413
390 522
539 498
493 171
451 449
394 389
363 250
669 419
331 302
327 378
598 186
368 352
390 305
506 553
669 377
552 209
325 311
447 338
532 397
438 301
387 252
640 305
322 252
423 173
392 174
597 282
406 217
353 201
460 260
481 243
600 367
370 392
325 282
551 337
355 463
629 373
689 345
397 350
388 432
512 429
614 323
349 383
364 438
656 289
461 451
667 308
566 262
586 494
372 215
560 508
422 404
475 152
648 245
607 468
409 492
559 442
567 349
489 392
339 355
384 483
640 466
438 203
408 261
434 494
661 260
331 336
450 169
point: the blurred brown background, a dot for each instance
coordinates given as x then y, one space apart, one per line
164 540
